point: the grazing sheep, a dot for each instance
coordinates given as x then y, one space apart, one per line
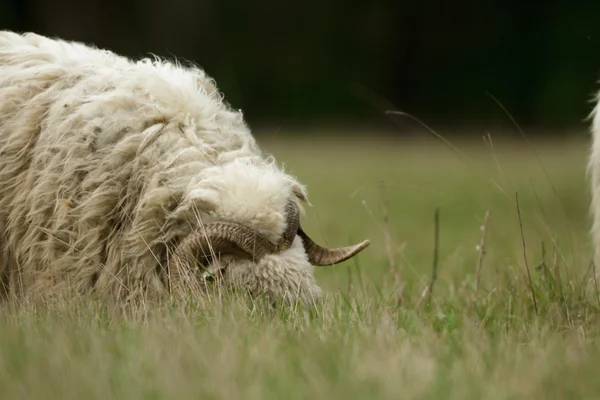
117 177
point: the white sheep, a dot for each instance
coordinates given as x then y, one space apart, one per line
118 176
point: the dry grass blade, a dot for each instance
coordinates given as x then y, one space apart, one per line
547 274
388 235
481 249
389 245
558 281
428 292
459 153
525 255
556 271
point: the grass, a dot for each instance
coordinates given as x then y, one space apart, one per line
379 333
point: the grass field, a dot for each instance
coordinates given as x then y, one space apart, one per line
378 333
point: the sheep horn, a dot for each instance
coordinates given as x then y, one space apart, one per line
293 225
228 238
317 255
220 238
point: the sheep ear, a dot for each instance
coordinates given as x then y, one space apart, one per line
300 193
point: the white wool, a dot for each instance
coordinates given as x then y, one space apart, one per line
594 173
104 161
227 188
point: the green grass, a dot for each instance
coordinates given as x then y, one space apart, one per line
375 335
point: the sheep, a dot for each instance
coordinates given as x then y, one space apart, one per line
130 178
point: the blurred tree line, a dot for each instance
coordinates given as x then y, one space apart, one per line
333 61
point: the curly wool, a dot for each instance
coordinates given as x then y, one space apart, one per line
105 161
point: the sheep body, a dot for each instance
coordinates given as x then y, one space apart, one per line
104 161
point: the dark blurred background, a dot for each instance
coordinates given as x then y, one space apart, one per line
303 64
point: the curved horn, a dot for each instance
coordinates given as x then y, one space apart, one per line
293 225
213 239
321 256
228 238
317 255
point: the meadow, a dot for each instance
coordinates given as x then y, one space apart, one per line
500 307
